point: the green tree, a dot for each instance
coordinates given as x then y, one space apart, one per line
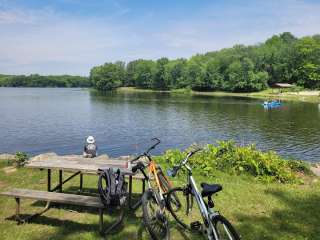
242 77
307 72
214 78
160 81
108 76
144 73
175 72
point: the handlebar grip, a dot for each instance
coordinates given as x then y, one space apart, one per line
195 151
139 165
173 172
134 168
135 159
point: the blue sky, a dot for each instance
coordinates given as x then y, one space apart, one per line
71 36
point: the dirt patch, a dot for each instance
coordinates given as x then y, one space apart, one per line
6 156
2 185
316 170
9 170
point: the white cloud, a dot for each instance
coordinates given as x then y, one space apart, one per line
50 42
243 25
30 39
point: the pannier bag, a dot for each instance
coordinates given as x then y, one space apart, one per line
112 187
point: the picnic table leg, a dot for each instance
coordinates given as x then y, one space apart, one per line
60 180
17 209
117 222
138 203
130 190
143 185
101 220
27 219
81 182
49 180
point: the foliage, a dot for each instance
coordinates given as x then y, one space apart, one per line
227 156
35 80
21 159
282 58
108 76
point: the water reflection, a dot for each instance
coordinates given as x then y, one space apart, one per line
39 120
291 130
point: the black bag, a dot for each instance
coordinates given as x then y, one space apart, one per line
112 187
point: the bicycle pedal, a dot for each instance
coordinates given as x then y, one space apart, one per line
196 226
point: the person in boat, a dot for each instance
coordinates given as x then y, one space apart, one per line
90 148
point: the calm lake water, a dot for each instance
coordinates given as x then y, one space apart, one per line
49 119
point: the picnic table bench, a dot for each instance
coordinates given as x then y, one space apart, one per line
53 197
77 166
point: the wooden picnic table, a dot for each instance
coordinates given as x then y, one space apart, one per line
79 166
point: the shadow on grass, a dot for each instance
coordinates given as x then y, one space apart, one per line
299 218
73 227
131 228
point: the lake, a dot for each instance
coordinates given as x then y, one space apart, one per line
37 120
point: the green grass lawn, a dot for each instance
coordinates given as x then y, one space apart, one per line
257 210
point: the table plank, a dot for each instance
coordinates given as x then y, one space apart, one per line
85 165
72 199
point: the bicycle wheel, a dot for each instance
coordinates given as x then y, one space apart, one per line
166 187
155 221
186 214
224 229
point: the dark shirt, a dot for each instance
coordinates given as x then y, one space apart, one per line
91 149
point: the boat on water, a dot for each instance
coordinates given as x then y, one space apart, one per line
272 104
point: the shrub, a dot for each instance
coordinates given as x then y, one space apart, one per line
228 157
21 159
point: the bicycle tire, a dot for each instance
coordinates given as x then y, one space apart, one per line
186 214
157 226
166 187
228 232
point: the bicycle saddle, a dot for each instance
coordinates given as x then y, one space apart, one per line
209 189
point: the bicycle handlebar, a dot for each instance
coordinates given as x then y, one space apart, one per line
153 146
146 153
173 172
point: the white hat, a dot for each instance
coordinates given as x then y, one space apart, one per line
90 139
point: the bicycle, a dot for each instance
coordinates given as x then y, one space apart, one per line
215 226
154 198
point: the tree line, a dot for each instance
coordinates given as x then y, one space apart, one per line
35 80
282 58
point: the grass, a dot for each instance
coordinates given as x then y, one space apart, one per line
258 210
304 96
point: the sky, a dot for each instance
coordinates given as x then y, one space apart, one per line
72 36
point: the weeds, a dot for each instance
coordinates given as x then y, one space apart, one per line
228 157
21 159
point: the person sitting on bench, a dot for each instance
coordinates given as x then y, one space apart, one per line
90 148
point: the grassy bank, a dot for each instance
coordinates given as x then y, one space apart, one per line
258 210
305 96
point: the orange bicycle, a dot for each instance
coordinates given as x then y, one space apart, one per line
154 199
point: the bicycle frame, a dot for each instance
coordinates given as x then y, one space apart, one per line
206 213
153 169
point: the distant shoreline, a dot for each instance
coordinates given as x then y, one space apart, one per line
312 96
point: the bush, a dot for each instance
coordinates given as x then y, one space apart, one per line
228 157
21 159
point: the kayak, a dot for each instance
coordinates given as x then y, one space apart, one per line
271 104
